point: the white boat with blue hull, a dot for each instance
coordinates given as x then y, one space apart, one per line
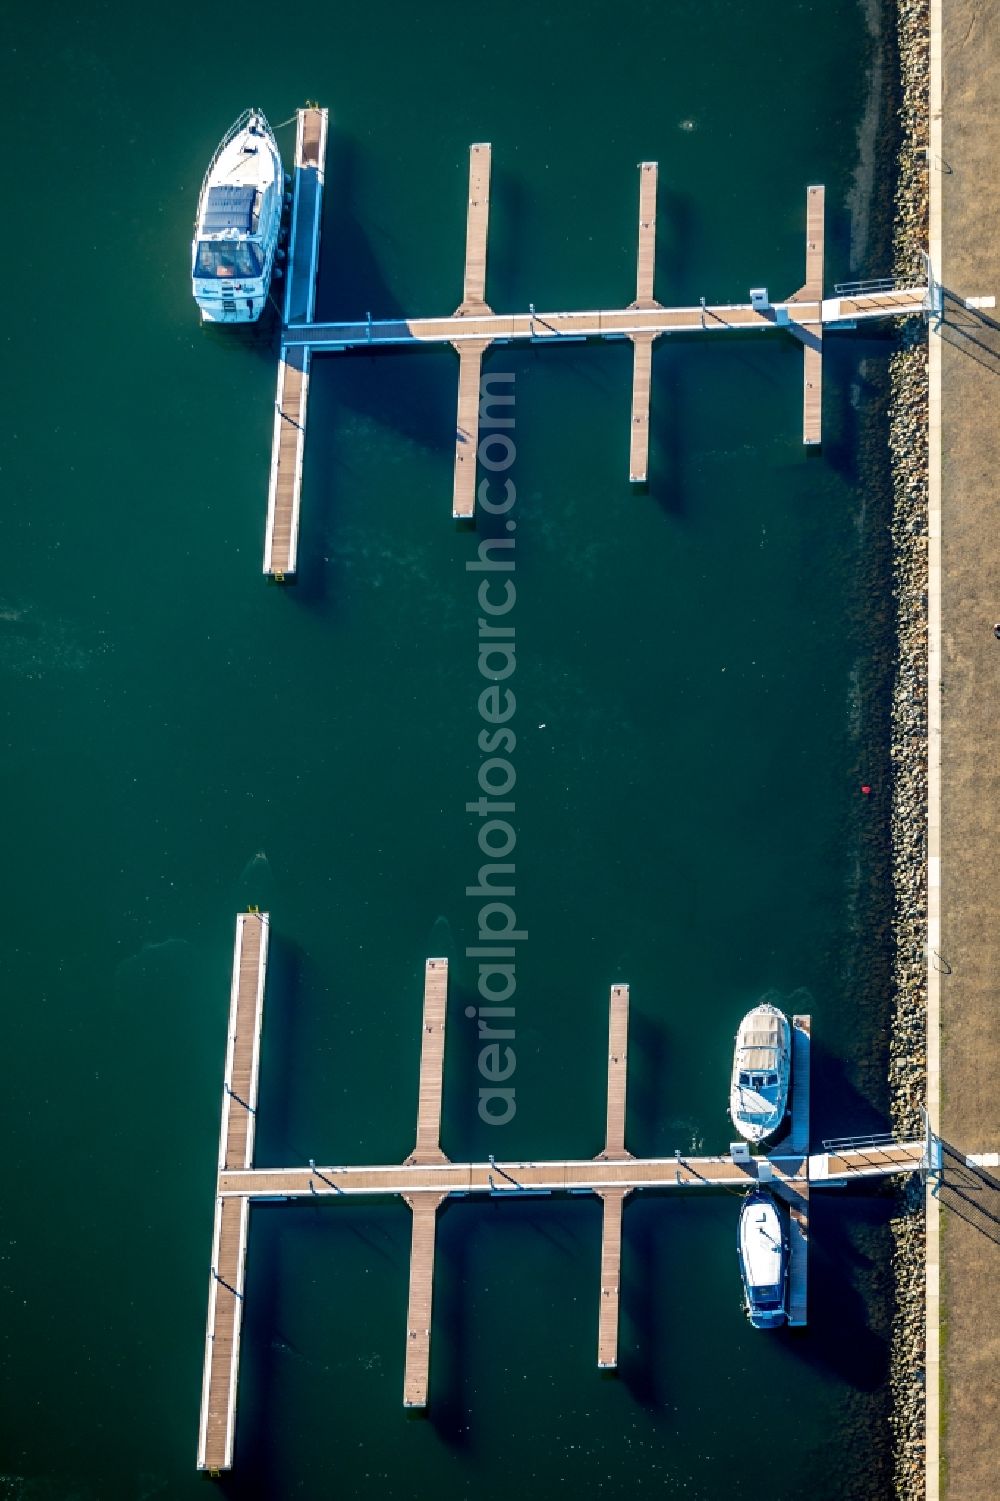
239 223
762 1064
762 1245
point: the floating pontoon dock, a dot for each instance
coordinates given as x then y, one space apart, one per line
229 1238
288 447
428 1177
474 326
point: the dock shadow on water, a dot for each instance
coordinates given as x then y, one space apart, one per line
450 1343
263 1345
356 396
648 1095
287 983
325 1291
849 1289
837 1106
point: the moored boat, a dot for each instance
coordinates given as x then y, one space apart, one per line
238 223
762 1245
758 1093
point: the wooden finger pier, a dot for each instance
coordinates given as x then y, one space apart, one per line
428 1177
474 327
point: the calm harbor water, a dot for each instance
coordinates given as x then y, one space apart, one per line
695 679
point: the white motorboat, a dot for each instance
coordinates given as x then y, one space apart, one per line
238 224
762 1245
758 1094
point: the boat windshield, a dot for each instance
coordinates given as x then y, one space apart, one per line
228 259
767 1298
758 1081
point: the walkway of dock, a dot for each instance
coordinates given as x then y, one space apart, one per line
428 1177
229 1237
797 1197
642 344
474 326
428 1147
292 399
811 334
470 351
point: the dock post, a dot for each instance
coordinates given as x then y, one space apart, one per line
416 1375
642 358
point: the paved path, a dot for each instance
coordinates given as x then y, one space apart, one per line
969 963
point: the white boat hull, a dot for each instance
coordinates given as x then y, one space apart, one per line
762 1061
238 224
763 1254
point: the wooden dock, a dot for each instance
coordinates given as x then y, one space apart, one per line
614 1140
229 1236
613 1198
474 326
797 1195
470 352
611 1264
281 540
642 356
416 1371
428 1147
470 368
477 224
798 1135
428 1177
811 332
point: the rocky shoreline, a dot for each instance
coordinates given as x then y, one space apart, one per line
908 414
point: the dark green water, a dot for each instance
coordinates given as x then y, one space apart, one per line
695 670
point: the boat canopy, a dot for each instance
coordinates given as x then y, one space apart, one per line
760 1041
229 208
